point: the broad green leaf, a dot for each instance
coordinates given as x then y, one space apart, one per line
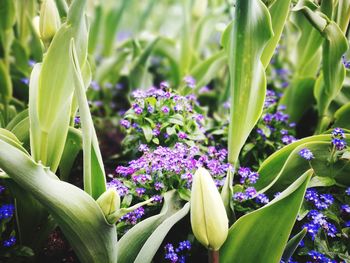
5 82
298 97
76 213
132 242
274 163
278 172
244 42
51 89
55 82
95 29
94 174
279 12
147 131
71 149
19 126
343 14
342 116
293 244
138 71
111 24
262 235
205 71
25 11
7 14
186 51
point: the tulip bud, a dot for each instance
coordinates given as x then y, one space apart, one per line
109 202
208 216
49 20
36 24
199 8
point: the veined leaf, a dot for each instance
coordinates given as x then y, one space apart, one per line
76 213
244 41
279 12
19 126
94 174
137 237
293 165
267 229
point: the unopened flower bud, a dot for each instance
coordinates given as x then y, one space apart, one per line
109 202
49 20
208 216
199 8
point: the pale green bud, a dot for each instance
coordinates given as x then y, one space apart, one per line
199 8
49 20
208 216
36 24
109 202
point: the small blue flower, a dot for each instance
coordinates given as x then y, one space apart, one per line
6 211
9 242
165 109
347 191
339 144
125 124
306 154
190 82
250 192
338 133
311 195
240 197
345 208
262 199
319 257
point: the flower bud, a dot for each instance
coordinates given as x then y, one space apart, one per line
199 8
36 24
109 202
49 20
208 216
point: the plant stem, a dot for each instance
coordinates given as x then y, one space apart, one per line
213 256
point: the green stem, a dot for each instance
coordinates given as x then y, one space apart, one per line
43 147
213 256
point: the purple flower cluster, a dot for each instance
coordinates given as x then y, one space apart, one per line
338 137
306 154
270 99
178 254
345 62
321 201
133 217
181 160
169 116
247 178
319 221
118 186
318 257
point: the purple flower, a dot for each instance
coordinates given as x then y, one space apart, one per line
132 217
124 171
158 186
137 109
25 81
325 200
345 208
306 154
119 186
190 82
182 135
347 191
150 109
288 139
262 199
164 85
312 229
140 191
239 196
339 144
250 192
318 257
165 109
76 120
94 85
184 245
143 148
338 133
311 195
157 199
268 117
125 124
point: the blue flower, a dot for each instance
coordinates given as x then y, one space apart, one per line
319 257
6 211
345 208
339 144
125 124
262 199
311 195
239 196
338 133
9 242
347 191
306 154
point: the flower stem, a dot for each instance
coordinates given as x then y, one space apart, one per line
213 256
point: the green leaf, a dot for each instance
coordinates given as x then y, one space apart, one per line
76 213
137 237
279 12
293 244
19 126
343 14
283 167
342 116
298 97
147 131
5 82
205 71
244 41
266 233
71 149
7 14
94 173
